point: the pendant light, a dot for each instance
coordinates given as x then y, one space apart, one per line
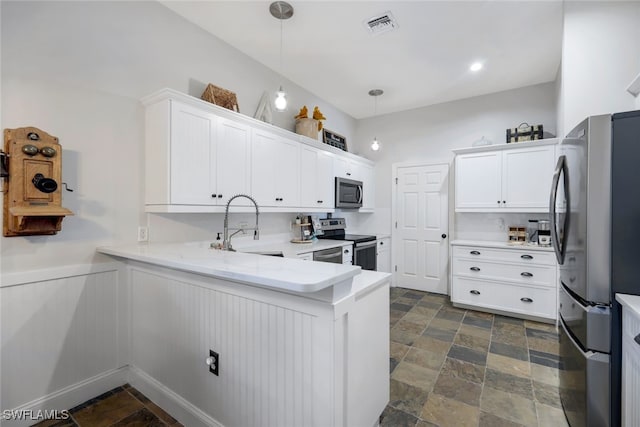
281 10
375 145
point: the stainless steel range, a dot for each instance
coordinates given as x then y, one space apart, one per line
364 246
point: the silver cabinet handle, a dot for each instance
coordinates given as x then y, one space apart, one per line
526 274
526 257
474 268
474 253
474 292
526 300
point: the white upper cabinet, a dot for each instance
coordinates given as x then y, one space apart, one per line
478 180
367 176
510 177
193 157
275 174
233 174
316 178
526 177
199 155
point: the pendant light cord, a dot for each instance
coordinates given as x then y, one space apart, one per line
281 37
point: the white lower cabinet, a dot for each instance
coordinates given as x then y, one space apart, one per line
511 280
383 253
630 368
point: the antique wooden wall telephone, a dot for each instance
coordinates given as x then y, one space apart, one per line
32 165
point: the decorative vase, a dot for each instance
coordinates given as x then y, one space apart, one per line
307 127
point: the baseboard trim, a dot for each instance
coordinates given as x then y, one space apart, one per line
174 404
72 395
68 397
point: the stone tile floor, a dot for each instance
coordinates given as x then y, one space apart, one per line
456 367
120 407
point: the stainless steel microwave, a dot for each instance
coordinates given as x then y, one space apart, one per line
348 193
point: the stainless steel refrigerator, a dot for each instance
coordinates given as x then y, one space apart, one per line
595 215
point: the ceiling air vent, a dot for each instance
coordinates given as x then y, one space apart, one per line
381 24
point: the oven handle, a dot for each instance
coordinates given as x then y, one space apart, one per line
365 245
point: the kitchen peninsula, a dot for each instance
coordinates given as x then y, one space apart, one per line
230 338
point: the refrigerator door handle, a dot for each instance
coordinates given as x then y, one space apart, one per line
559 247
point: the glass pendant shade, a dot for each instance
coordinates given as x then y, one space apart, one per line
281 100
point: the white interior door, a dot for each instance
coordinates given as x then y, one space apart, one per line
421 209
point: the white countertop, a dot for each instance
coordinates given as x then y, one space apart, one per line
501 245
631 302
285 274
292 250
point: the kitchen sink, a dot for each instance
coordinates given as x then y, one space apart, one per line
268 253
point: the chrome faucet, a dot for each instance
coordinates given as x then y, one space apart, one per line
226 243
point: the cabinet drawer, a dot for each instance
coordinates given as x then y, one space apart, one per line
505 297
505 255
524 274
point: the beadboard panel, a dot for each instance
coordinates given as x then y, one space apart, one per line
270 370
58 332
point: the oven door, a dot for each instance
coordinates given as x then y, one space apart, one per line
333 255
365 255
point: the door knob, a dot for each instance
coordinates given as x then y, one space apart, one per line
444 236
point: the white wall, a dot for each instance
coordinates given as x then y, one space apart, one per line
77 70
429 134
600 57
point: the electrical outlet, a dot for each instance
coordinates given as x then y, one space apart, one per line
143 234
214 362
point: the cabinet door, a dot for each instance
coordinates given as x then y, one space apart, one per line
326 180
316 178
233 161
192 156
526 177
287 173
263 158
384 255
478 180
368 187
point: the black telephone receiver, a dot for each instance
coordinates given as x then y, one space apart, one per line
46 185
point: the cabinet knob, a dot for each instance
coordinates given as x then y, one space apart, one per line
213 196
348 173
526 274
319 201
526 257
504 201
527 300
475 252
444 236
474 268
346 251
474 292
382 243
498 202
219 196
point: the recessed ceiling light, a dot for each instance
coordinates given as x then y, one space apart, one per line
476 66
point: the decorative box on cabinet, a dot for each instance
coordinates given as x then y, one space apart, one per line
507 177
519 281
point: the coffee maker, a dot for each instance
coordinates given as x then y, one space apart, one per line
539 231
